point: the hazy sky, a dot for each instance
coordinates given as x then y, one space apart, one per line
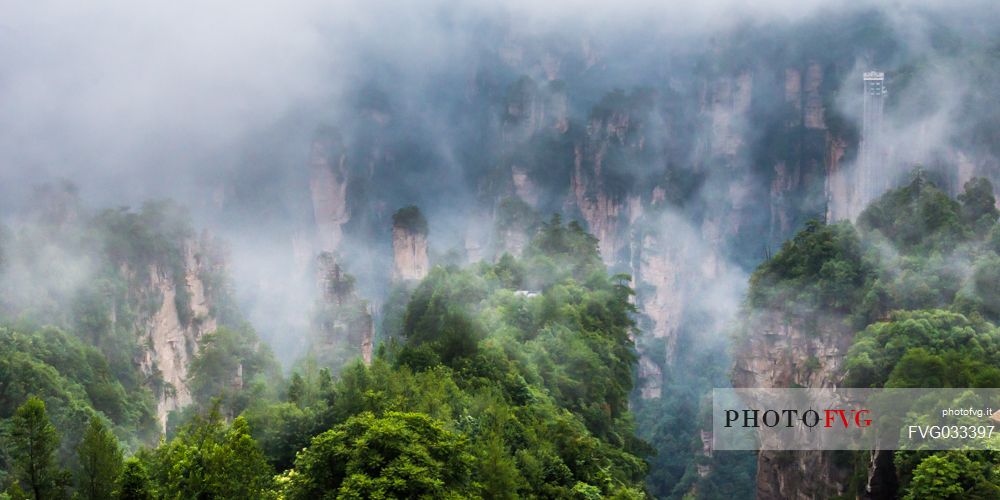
131 98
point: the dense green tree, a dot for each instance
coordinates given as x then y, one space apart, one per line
823 266
296 389
207 460
497 470
515 216
922 368
979 209
134 481
938 478
500 380
283 429
879 348
510 272
921 317
232 366
436 325
918 217
15 492
986 276
100 462
953 475
398 455
34 442
73 378
992 241
341 284
559 251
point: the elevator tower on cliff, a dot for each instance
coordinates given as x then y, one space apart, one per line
872 176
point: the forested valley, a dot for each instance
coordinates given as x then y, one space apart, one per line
480 389
453 249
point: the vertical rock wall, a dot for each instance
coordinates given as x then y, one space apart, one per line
343 327
170 337
805 350
409 250
328 187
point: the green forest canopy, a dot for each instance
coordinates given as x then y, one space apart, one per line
915 279
482 392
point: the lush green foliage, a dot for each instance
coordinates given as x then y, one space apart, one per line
100 462
822 267
919 218
411 219
925 348
398 455
153 236
134 481
918 281
94 278
521 384
208 459
515 214
33 443
911 250
74 379
955 475
233 367
506 380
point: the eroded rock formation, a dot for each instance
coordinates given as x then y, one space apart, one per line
328 182
599 182
794 350
343 326
409 245
182 312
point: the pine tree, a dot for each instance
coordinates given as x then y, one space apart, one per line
134 481
297 390
100 461
34 442
207 460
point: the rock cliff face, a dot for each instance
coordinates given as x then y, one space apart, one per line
838 189
671 259
409 251
524 187
477 238
674 267
784 351
801 155
745 150
602 156
511 240
599 184
182 314
328 186
532 108
725 102
722 154
659 274
602 211
343 327
794 351
814 112
743 156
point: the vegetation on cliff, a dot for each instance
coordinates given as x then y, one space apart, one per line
410 219
80 291
519 384
913 280
503 380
